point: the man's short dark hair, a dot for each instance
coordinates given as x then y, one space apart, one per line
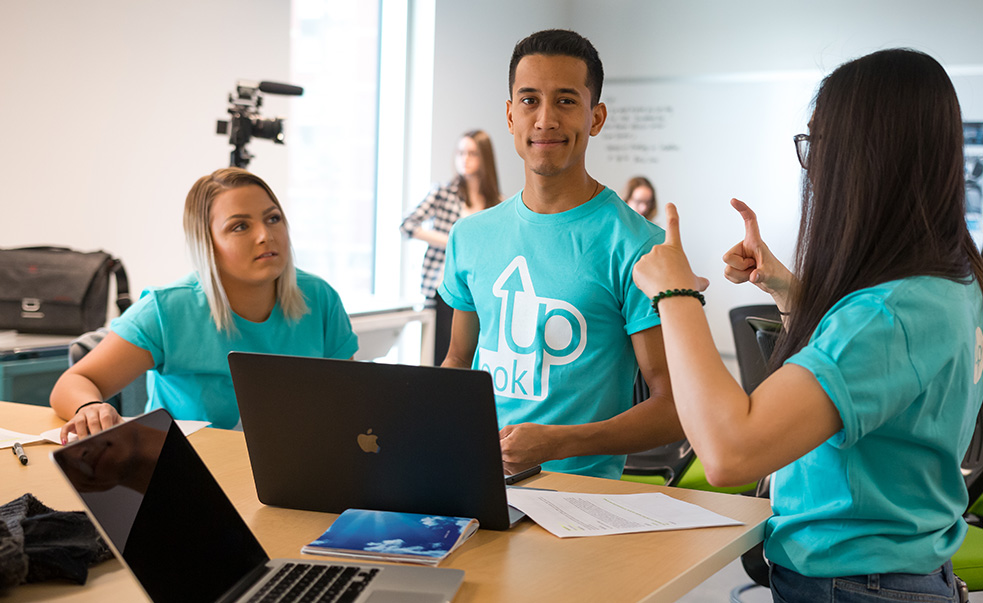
561 42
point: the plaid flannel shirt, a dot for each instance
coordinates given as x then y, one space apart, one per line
443 208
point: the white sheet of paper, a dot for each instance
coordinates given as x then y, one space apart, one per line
567 514
7 438
186 427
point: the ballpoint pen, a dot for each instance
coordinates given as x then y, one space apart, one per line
19 451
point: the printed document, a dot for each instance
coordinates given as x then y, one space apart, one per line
567 514
187 427
7 438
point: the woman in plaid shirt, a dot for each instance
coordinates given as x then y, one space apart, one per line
475 188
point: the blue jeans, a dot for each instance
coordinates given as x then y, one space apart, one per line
939 586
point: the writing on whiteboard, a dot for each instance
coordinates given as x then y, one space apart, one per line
637 133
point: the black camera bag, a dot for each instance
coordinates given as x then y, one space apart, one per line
58 290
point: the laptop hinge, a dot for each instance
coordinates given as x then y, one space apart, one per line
244 584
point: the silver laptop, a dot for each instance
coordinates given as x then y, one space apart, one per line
170 523
329 435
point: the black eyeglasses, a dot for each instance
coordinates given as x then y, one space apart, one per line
802 149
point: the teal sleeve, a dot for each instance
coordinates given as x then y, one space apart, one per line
141 325
455 290
637 308
340 341
860 356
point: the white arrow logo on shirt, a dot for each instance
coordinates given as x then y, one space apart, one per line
533 331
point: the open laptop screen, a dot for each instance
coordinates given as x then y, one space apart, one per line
161 509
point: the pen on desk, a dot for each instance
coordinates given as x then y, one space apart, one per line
19 451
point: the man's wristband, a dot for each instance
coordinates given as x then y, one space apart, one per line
88 404
676 293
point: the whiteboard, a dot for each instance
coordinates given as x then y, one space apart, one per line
704 140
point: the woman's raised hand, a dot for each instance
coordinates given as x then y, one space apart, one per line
666 266
750 261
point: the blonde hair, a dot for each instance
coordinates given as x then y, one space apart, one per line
198 234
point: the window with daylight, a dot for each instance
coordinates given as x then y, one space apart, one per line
335 46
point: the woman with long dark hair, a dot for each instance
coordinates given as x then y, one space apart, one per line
877 382
473 189
640 196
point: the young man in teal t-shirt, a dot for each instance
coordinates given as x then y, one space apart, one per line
541 285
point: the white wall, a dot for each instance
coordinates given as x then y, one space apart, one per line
663 41
108 110
646 38
474 42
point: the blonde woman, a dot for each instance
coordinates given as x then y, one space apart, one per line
244 295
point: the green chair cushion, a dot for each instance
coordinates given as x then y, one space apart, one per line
967 563
695 478
654 480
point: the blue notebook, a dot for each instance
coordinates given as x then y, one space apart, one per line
392 536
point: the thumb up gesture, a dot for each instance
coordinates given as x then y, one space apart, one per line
666 266
750 261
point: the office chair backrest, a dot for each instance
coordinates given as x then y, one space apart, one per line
750 358
972 465
756 330
766 333
668 461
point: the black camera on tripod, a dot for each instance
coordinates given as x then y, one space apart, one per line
245 123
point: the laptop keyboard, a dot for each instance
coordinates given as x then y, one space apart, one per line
303 583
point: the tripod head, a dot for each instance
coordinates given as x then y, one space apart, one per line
245 122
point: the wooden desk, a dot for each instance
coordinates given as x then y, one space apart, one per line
524 564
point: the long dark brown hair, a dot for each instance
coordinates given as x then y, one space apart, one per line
883 196
640 181
487 173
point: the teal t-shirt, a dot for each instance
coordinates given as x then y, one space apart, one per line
902 362
191 376
557 306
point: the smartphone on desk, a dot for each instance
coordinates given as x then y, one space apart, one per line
518 477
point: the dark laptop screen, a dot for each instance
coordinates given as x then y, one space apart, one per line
162 509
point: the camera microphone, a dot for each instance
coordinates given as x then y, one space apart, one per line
245 122
277 88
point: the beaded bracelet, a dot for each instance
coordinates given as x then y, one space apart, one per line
676 293
87 404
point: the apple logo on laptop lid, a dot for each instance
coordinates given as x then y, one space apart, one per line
368 442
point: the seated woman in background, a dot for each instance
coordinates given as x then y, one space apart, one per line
867 418
640 196
475 188
245 295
